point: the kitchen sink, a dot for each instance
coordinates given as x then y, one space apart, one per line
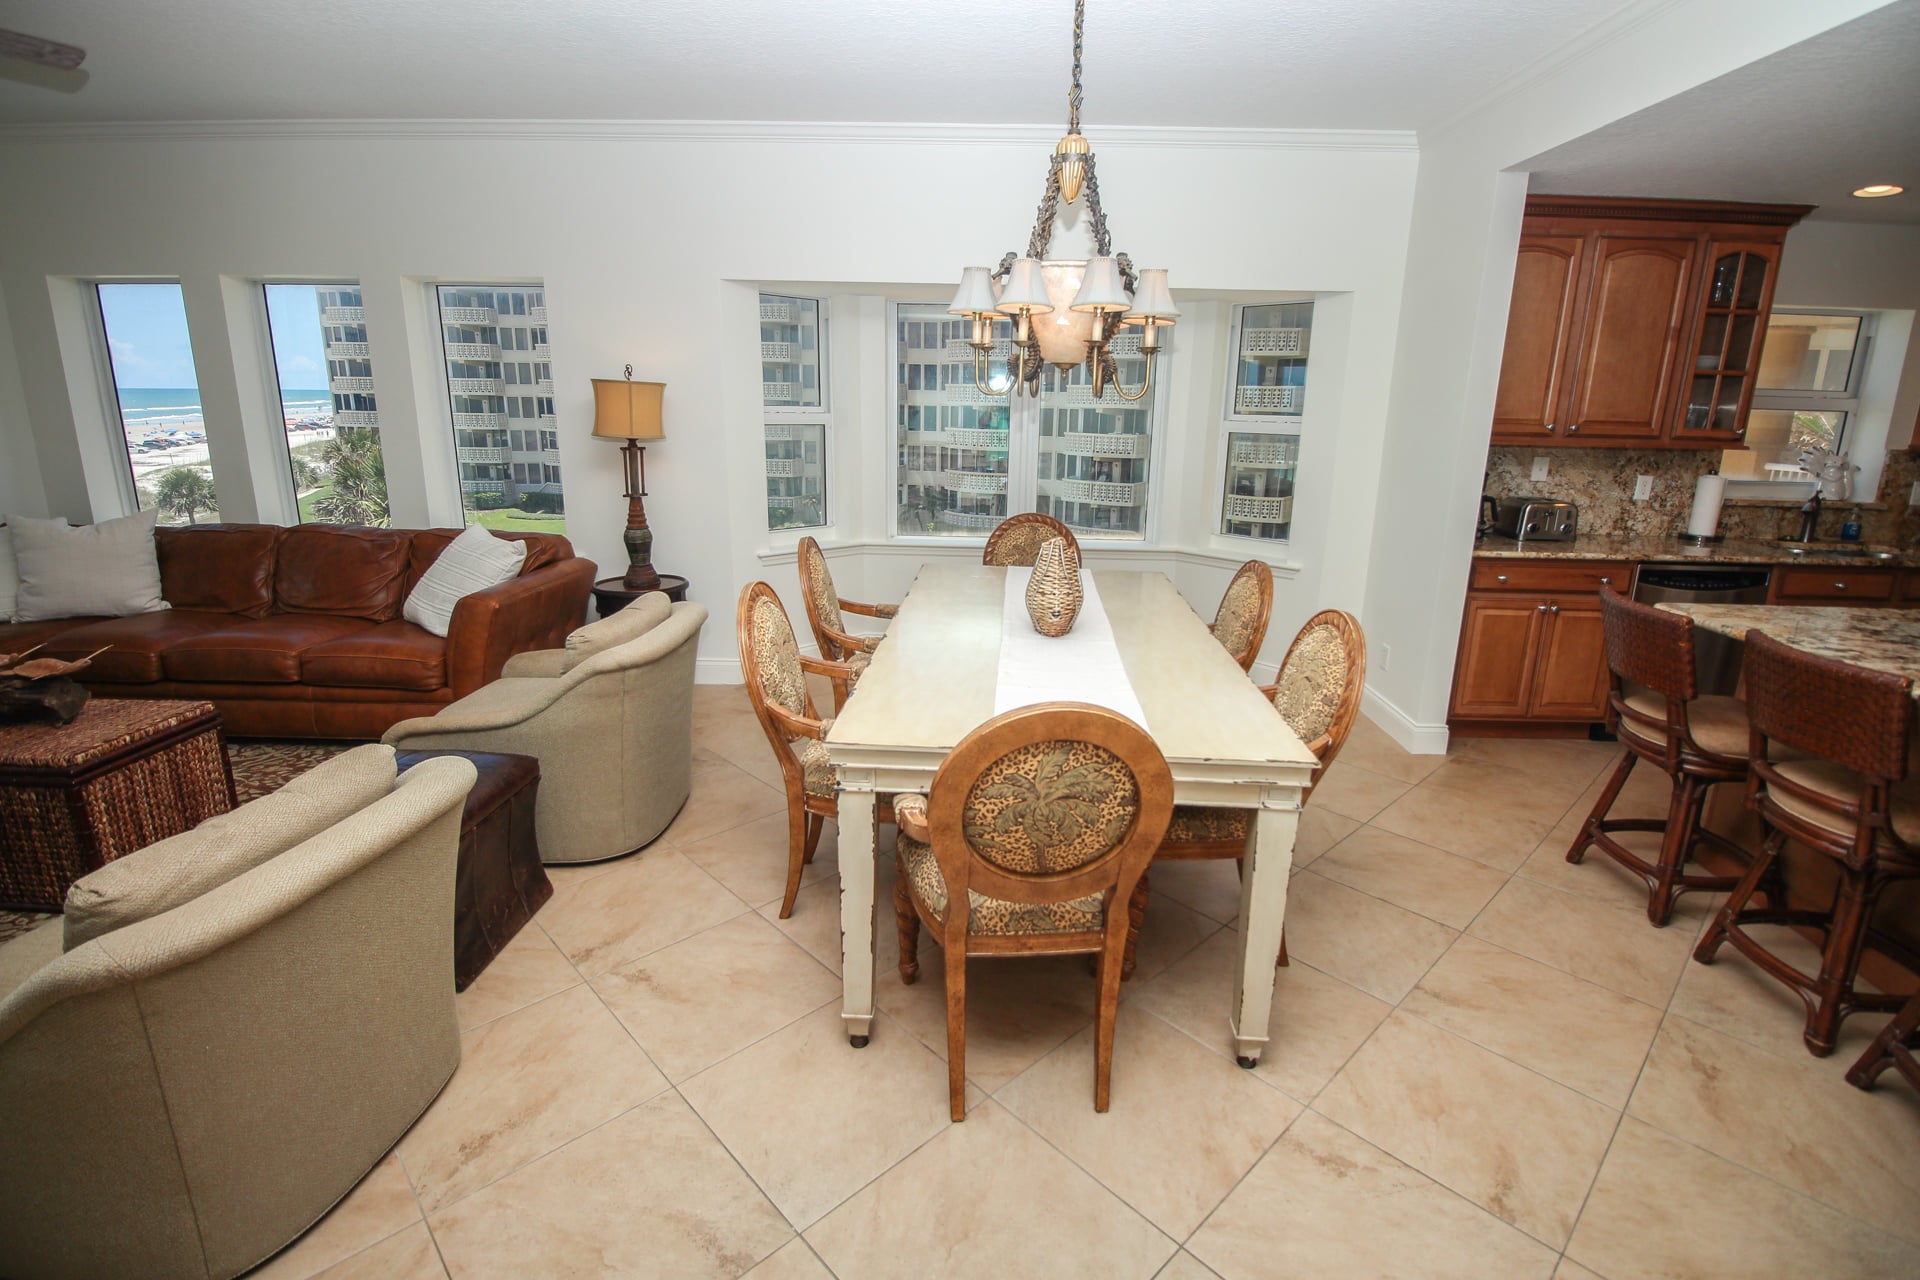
1854 550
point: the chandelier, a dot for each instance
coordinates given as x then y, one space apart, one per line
1066 313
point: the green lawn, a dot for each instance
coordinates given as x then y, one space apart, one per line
307 501
512 520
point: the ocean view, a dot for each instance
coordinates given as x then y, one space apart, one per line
142 407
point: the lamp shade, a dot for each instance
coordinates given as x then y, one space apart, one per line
628 410
1024 290
1152 301
978 294
1101 289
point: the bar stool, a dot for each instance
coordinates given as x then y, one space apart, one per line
1696 740
1893 1047
1848 801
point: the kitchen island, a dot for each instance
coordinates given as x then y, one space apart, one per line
1880 639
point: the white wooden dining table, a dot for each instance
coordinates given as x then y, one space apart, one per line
940 674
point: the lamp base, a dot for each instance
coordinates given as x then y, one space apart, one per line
640 575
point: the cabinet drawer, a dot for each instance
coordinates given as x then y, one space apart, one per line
1580 577
1834 586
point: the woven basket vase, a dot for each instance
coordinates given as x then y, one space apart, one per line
1053 593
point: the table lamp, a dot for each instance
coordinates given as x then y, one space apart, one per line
629 411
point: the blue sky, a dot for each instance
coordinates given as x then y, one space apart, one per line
147 335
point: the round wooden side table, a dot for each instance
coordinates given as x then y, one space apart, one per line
610 595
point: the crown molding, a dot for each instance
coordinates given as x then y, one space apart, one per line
880 133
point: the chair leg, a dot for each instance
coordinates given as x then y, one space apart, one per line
957 1032
1893 1047
1839 961
908 922
1601 807
815 825
1105 1010
1736 902
1683 815
798 822
1136 917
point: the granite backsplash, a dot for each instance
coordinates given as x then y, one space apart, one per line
1601 482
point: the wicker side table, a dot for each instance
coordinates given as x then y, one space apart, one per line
125 773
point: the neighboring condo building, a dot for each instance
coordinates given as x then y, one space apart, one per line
343 326
500 383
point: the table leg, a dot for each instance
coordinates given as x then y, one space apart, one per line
1263 910
856 914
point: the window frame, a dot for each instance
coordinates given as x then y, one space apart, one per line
1232 389
108 382
290 490
1293 427
820 415
1844 400
435 315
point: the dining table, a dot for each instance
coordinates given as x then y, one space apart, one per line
1880 639
962 650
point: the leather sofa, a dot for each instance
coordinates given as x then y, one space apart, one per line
297 632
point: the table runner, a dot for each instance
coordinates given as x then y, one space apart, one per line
1081 666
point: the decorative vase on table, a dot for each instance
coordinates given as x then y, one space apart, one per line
1053 592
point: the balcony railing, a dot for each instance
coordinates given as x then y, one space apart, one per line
343 315
1268 399
1266 453
1274 344
472 351
780 392
972 482
1096 444
777 313
480 453
969 438
970 519
779 352
355 419
1099 492
346 351
350 384
474 386
785 467
469 315
1242 509
480 421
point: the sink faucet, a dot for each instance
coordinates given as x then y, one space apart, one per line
1809 517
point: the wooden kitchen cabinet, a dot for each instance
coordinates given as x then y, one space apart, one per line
1819 585
1637 322
1532 649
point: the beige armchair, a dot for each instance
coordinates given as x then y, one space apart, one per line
184 1095
610 718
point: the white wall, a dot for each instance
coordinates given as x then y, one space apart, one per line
20 488
649 241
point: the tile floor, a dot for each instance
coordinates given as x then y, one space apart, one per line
1487 1065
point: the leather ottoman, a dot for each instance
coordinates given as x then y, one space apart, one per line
501 881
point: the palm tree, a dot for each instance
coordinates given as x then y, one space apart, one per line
357 474
184 491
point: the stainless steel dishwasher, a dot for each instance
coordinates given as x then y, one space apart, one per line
1716 658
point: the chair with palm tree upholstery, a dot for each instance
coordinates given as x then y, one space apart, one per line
1017 539
776 675
1318 695
1035 829
1240 624
824 607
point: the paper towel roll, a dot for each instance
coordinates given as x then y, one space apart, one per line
1709 491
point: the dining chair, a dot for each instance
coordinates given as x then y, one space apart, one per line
824 607
776 677
1017 539
1318 694
1240 623
1036 827
1846 795
1698 740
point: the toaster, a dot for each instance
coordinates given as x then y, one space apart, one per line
1540 519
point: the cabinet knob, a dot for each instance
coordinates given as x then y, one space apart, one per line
1606 582
1552 426
1540 608
1574 427
1499 577
1553 608
1839 586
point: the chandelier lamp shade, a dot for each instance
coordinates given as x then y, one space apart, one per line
1066 313
629 412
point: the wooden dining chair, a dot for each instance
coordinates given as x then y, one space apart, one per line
776 676
1017 539
1035 829
1240 623
1318 694
824 607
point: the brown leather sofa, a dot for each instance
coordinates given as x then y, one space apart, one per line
297 632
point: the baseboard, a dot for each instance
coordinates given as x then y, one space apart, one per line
1420 739
717 671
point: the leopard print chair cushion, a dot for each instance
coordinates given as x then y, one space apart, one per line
1239 614
826 601
816 772
1050 807
1308 692
777 655
992 916
1200 824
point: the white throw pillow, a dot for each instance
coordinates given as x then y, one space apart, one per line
103 570
472 562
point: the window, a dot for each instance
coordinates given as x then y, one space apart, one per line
1811 365
499 487
967 459
333 432
1267 400
793 411
158 393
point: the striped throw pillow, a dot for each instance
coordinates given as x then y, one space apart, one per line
472 562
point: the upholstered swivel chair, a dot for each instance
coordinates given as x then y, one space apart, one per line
1017 539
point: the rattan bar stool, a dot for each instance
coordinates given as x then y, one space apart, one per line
1696 740
1893 1047
1848 800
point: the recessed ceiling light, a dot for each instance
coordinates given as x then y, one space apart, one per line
1879 189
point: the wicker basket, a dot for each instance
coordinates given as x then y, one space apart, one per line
1053 592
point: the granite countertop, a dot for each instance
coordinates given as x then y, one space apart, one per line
1883 639
1594 546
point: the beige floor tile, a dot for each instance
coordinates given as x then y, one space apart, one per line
735 735
795 1260
693 1003
1347 789
567 876
381 1205
1571 1270
1513 1142
1171 930
1733 995
1211 887
1323 1203
1567 763
988 1199
813 1119
814 925
527 1082
1663 1208
1317 1021
1373 749
1613 946
751 859
1585 1036
1185 1124
1320 830
529 968
1481 811
1376 946
650 1193
723 797
1018 1009
653 900
1795 1123
406 1255
1439 885
1184 1266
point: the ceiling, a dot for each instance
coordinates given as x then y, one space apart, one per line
1805 126
1310 64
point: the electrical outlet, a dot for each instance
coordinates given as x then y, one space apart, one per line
1386 658
1540 467
1642 488
1913 498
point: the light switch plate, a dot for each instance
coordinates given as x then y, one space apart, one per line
1642 488
1386 658
1540 467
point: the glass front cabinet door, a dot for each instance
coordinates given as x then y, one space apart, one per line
1738 291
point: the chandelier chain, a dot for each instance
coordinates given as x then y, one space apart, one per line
1073 95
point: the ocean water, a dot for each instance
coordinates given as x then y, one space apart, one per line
142 407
